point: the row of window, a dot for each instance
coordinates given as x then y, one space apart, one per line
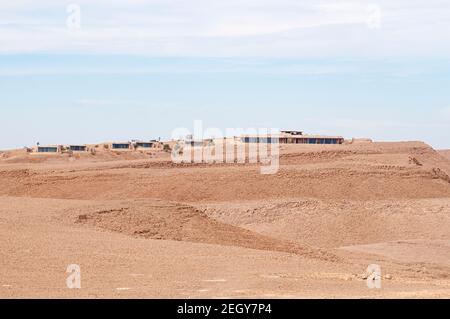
78 148
291 140
127 146
121 146
147 145
47 149
321 141
261 140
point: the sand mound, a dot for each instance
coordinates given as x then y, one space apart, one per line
173 221
314 156
372 171
100 154
339 223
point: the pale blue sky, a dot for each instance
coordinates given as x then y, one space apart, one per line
139 69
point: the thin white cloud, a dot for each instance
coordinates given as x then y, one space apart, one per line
275 28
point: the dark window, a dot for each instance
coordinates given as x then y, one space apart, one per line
77 148
121 146
147 145
47 149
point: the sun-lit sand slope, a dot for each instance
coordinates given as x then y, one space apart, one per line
445 153
142 226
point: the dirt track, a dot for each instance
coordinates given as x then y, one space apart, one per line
141 226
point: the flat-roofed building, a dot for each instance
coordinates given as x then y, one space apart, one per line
311 139
77 148
292 137
48 149
120 146
144 145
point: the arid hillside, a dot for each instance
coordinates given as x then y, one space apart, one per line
140 225
445 153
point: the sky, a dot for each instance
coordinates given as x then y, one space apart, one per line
89 71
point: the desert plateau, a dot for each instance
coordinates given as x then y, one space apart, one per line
141 226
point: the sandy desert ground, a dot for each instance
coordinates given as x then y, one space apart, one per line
141 226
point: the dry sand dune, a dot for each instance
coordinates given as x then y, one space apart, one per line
171 221
142 226
339 223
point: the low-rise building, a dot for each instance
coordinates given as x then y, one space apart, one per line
77 148
120 146
141 145
292 137
48 149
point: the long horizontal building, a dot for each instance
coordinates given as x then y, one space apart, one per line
48 149
120 145
77 148
59 148
133 145
293 137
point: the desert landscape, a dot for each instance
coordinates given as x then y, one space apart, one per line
141 226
